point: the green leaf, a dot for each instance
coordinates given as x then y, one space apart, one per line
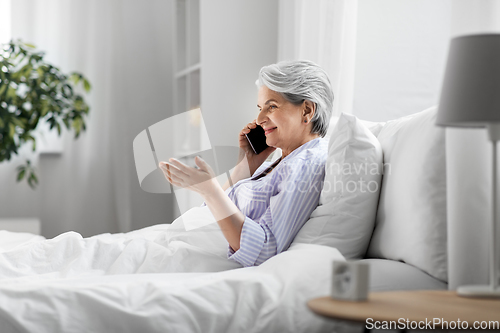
30 183
34 177
78 104
77 123
11 92
34 121
12 130
52 122
45 110
21 174
75 78
31 46
86 85
20 122
32 139
31 176
26 70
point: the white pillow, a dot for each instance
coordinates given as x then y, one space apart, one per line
411 218
348 203
373 126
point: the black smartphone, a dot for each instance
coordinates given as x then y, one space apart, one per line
257 139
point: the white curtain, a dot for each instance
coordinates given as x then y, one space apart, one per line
323 31
123 47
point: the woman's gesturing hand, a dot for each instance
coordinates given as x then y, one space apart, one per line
254 160
201 180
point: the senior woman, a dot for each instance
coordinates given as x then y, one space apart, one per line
260 215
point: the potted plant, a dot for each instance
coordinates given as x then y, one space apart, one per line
33 91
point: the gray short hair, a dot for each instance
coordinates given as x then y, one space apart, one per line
299 80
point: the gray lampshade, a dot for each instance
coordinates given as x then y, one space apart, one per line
470 96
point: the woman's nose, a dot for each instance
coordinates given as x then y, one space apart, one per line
260 118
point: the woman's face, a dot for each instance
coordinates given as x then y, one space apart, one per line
283 121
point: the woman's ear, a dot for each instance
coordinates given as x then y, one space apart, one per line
309 108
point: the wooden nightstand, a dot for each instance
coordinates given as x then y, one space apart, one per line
414 308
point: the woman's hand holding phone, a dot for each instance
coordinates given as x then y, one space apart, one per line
246 151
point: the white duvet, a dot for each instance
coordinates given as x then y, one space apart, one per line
158 279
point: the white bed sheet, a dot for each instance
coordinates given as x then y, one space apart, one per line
187 284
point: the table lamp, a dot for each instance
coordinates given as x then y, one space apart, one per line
470 97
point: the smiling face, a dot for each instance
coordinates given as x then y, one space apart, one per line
283 122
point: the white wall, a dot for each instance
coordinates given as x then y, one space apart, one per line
401 49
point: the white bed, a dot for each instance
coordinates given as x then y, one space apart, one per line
93 285
187 284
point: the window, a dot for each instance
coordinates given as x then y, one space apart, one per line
5 30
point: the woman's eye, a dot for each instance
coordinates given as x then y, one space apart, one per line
272 107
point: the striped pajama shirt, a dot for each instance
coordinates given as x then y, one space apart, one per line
277 205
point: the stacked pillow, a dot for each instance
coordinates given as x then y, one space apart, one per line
348 203
411 218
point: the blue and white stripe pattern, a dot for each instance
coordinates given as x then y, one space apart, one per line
277 206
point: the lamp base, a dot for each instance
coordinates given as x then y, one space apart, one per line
485 291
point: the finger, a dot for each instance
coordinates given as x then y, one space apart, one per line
173 182
167 174
172 170
162 165
245 131
201 163
249 127
176 178
179 165
170 167
164 169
